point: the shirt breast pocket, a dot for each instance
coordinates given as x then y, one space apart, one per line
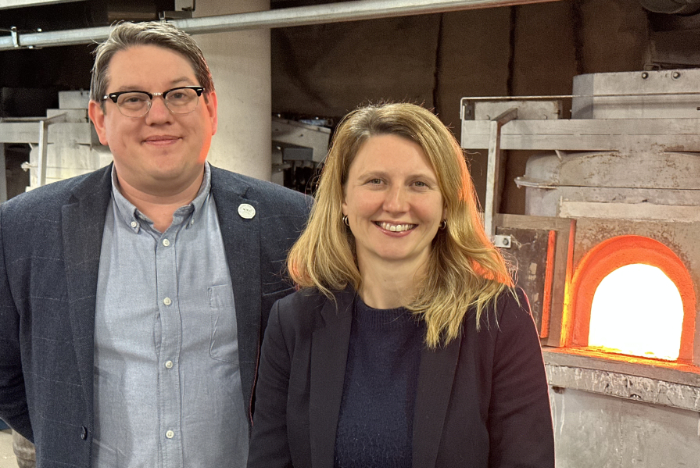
224 332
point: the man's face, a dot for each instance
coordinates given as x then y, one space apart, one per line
161 152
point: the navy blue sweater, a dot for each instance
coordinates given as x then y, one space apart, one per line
375 425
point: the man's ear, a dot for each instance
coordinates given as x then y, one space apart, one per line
212 104
97 115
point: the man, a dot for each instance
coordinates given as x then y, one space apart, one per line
133 299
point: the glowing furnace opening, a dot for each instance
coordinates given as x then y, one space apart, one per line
637 310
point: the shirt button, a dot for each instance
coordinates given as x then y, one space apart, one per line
170 434
134 224
169 364
167 301
166 242
83 432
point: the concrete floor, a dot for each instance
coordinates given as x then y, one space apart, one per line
7 457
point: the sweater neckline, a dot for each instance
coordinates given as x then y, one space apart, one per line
399 317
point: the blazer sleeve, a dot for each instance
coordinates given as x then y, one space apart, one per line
520 420
269 446
13 397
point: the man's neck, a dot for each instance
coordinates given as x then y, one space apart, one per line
160 206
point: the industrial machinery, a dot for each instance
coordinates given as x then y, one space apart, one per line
615 189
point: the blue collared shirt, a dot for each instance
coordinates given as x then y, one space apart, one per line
167 381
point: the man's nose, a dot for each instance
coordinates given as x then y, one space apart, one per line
159 112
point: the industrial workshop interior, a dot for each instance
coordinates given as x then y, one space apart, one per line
579 120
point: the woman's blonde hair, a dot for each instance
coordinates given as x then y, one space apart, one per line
465 269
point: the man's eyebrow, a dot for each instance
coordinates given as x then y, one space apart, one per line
173 84
129 88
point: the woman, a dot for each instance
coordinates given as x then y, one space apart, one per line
407 344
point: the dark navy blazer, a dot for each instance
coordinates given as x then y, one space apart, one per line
50 243
482 400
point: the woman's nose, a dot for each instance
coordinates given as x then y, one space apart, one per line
396 200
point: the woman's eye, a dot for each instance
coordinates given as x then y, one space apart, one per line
374 181
420 183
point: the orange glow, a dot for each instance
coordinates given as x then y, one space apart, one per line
608 256
567 317
637 310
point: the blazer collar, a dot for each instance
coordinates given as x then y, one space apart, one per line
241 237
82 223
329 353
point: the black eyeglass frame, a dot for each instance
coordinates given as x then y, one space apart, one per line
115 96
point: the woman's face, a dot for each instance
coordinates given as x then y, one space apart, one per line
393 202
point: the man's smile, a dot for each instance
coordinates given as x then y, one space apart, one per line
161 140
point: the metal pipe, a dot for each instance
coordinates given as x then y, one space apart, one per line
285 17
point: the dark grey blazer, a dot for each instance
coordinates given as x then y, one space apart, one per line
50 241
482 400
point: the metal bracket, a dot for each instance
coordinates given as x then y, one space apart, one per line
504 242
15 36
466 109
43 145
494 166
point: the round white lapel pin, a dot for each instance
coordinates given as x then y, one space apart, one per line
246 211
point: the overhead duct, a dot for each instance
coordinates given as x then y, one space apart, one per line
286 17
672 7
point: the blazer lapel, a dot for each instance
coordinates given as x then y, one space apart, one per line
329 352
82 224
241 238
435 378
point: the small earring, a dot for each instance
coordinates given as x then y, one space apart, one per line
443 224
345 220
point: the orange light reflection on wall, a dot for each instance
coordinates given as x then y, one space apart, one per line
637 310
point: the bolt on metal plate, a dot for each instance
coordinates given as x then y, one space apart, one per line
503 241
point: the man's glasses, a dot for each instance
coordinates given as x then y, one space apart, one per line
182 100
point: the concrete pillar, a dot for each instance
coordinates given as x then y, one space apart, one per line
240 64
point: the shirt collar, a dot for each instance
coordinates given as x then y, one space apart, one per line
133 217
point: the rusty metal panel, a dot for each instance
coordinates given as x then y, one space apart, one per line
528 253
526 227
